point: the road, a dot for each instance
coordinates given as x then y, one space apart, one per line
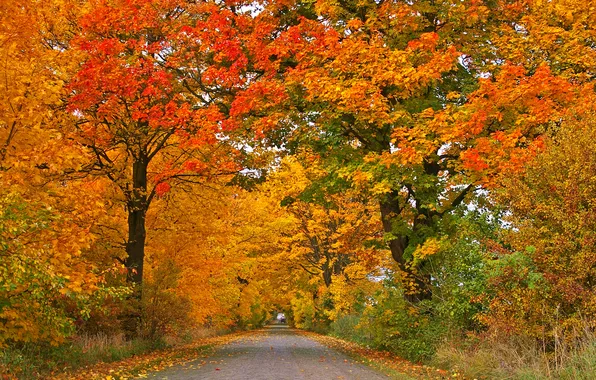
275 353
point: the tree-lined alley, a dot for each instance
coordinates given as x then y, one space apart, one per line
417 176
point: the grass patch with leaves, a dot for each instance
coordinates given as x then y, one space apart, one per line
30 361
101 357
519 358
386 362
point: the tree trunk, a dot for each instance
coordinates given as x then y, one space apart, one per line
137 210
390 210
135 247
327 274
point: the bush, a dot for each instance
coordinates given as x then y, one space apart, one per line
399 327
348 327
458 275
544 286
47 283
164 310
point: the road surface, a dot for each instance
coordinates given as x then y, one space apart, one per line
275 353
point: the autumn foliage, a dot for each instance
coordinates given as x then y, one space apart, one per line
399 173
545 288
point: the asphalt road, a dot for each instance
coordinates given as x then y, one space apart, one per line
275 353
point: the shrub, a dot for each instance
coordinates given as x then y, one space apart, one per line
164 310
348 327
47 283
397 326
544 287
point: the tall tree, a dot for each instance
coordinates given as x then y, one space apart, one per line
327 247
410 101
157 80
330 233
208 232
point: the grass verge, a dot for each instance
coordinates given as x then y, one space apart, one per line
102 358
385 362
517 358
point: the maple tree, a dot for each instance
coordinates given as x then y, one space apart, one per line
32 73
155 83
408 101
326 249
210 244
332 233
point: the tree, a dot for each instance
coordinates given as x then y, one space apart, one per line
226 243
330 233
410 102
330 247
151 96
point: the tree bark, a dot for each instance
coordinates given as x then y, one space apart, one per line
327 275
135 247
137 206
137 210
390 210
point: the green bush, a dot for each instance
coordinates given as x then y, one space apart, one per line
396 326
348 327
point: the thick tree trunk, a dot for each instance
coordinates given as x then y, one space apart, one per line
137 210
137 206
390 210
135 247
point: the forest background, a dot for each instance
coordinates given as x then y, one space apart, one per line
416 176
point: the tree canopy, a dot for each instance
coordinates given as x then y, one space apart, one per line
383 169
